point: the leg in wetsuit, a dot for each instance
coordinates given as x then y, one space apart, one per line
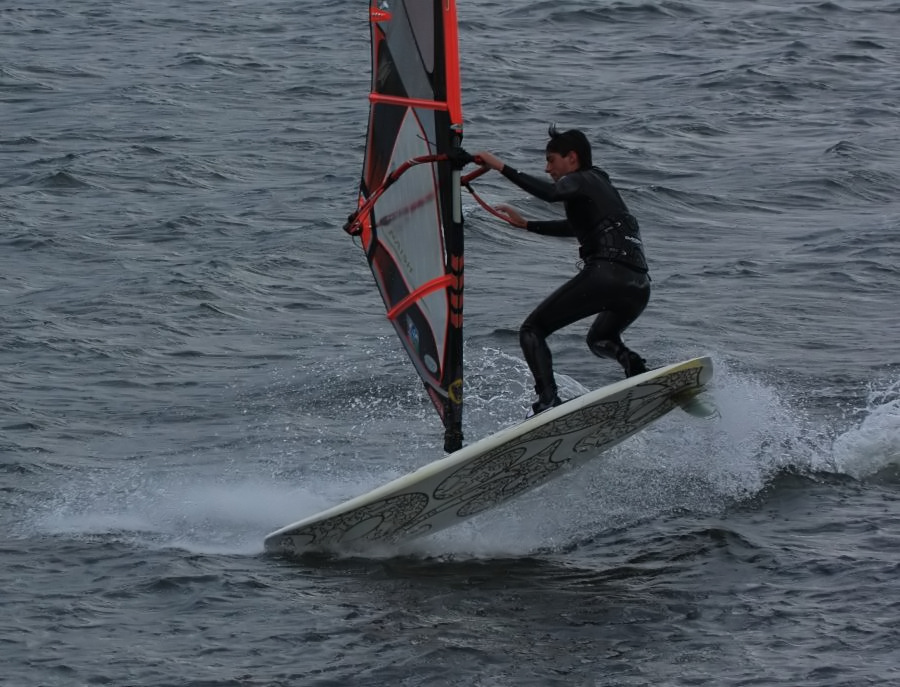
615 293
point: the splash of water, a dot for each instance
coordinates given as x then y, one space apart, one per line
874 443
679 464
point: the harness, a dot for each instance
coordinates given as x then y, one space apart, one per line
616 239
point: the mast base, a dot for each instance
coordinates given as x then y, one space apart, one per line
453 439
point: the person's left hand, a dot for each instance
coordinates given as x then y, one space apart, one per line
489 160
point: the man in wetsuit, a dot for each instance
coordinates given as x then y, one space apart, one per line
613 284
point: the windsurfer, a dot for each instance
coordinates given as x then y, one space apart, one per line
613 283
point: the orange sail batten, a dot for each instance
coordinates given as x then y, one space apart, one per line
420 293
408 102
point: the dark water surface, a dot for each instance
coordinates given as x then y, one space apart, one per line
192 353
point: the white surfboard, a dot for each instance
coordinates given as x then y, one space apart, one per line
499 467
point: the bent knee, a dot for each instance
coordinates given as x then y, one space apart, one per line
603 348
529 331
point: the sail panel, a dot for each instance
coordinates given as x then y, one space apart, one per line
411 235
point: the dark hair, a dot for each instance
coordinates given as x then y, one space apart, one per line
564 142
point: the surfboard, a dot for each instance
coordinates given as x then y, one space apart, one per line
497 468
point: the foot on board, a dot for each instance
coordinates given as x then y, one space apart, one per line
633 364
540 406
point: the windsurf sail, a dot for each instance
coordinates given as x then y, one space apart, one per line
409 214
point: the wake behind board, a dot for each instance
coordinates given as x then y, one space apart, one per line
497 468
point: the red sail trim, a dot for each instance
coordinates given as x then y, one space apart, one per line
456 292
451 63
409 102
419 294
364 229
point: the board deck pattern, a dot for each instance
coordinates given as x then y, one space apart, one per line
483 475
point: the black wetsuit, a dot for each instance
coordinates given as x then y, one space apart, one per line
614 283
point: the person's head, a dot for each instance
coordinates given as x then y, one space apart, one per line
567 151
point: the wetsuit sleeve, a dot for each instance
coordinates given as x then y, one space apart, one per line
551 192
556 227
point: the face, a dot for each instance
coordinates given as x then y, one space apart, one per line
560 165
